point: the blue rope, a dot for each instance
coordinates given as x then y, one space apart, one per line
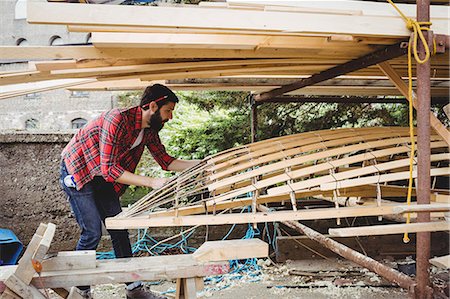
238 268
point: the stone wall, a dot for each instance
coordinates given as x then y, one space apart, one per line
29 188
30 193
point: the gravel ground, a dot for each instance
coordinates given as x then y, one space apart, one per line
299 279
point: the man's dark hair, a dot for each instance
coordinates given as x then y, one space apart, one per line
159 93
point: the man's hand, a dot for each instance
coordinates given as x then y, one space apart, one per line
156 183
129 178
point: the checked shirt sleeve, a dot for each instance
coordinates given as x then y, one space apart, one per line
112 138
159 153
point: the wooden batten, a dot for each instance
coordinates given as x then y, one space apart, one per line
389 229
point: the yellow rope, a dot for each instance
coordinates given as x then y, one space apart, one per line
417 28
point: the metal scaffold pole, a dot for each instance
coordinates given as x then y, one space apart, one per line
423 289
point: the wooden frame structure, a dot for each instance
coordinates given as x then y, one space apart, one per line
242 40
320 163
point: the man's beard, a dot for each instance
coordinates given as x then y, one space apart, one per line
155 122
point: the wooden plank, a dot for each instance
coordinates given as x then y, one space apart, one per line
345 7
25 88
45 66
401 85
389 229
127 269
145 222
173 66
441 262
8 294
442 198
190 17
214 41
70 260
190 290
398 176
423 208
25 269
90 52
23 289
45 243
231 250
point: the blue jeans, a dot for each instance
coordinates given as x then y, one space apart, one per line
96 201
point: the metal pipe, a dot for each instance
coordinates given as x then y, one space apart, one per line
376 57
423 289
390 274
348 99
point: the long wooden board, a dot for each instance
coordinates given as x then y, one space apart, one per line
194 17
326 213
389 229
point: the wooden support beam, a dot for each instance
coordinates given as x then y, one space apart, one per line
231 250
90 52
325 213
387 53
127 269
441 262
70 260
186 288
391 177
389 71
423 208
389 229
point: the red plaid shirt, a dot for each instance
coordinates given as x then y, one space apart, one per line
102 148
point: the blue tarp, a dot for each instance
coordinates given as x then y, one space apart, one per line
10 247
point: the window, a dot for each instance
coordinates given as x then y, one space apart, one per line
78 123
31 124
56 40
22 42
80 94
20 10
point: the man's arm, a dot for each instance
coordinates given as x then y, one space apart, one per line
129 178
180 165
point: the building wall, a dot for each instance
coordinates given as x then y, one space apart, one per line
15 27
52 110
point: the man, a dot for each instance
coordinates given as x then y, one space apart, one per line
99 162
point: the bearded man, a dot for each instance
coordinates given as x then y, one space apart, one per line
99 162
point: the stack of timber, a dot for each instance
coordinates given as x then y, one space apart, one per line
64 271
358 168
134 46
